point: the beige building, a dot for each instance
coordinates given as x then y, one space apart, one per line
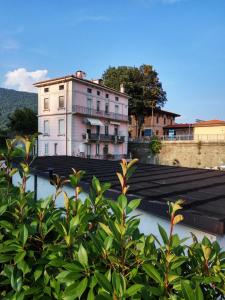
212 130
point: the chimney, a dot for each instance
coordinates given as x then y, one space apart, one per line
98 81
80 74
122 88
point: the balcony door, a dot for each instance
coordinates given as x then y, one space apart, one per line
88 150
116 130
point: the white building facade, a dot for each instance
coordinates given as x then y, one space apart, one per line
82 118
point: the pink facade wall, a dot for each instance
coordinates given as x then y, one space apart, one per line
72 141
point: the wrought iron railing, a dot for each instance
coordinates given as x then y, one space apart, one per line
77 109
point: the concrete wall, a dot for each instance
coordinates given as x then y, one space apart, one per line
184 153
192 154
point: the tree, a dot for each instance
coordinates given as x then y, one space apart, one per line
23 121
141 84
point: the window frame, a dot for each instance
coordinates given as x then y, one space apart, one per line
46 108
60 132
46 132
61 107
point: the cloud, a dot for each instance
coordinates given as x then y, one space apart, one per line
93 19
8 44
22 80
166 2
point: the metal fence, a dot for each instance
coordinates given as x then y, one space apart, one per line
189 137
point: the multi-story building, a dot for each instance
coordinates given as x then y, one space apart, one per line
152 125
81 117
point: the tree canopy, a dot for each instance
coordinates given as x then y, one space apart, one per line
23 121
141 84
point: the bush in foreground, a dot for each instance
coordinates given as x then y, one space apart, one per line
94 249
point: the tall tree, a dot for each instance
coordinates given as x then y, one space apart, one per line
142 85
23 121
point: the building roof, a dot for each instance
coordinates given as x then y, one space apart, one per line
203 190
186 125
166 112
66 78
209 123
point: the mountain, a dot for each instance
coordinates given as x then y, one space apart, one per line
11 100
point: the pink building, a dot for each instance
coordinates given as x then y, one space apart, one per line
82 118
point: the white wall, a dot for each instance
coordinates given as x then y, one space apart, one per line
148 222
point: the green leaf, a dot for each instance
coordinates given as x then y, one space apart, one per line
153 273
23 234
103 281
133 290
106 229
163 234
19 256
38 272
187 290
3 209
91 295
133 204
82 256
122 201
198 293
75 290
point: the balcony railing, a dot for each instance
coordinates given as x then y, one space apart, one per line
77 109
94 137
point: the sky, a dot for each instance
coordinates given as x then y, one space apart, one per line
184 40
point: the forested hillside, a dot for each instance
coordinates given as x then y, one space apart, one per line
11 100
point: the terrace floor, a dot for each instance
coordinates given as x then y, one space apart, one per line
203 190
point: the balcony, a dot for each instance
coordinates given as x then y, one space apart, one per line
94 137
81 110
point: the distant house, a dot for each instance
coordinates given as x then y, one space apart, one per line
79 117
178 130
212 130
152 126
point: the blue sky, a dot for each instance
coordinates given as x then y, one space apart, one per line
183 39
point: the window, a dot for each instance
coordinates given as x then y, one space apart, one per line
106 150
157 119
98 93
107 108
61 87
164 121
98 105
61 127
46 90
46 148
97 149
61 102
117 98
171 121
46 104
89 90
157 132
116 130
106 130
107 95
55 149
89 105
46 127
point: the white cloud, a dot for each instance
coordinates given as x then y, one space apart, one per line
22 80
93 19
8 44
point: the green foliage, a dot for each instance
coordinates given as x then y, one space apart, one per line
141 84
155 145
23 121
93 249
10 100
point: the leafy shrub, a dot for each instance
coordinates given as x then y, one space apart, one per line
155 145
94 249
